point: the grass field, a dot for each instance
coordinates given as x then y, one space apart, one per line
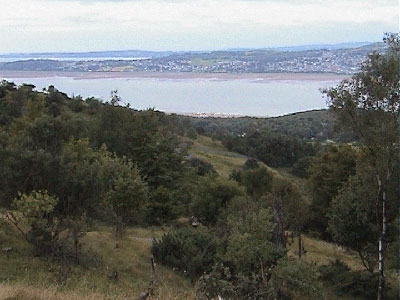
27 277
223 161
24 277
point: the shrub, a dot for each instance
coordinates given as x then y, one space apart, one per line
189 250
33 219
221 282
217 283
346 282
213 195
250 164
48 233
295 280
300 168
202 168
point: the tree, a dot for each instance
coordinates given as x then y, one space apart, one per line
296 280
115 99
368 103
352 220
127 196
258 182
288 204
213 195
251 247
328 172
190 250
32 216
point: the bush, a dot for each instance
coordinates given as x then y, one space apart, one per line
202 168
251 164
346 282
49 234
32 216
220 282
296 279
191 251
300 168
289 280
212 197
162 206
217 283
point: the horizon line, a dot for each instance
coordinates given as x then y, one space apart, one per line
193 50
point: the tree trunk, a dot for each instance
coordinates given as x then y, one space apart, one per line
279 230
300 250
381 280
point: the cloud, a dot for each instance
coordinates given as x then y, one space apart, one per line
144 21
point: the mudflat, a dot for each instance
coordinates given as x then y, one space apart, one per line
178 75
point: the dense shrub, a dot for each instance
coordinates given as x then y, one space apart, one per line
212 196
34 217
272 149
202 167
216 283
289 280
189 250
300 168
251 164
346 282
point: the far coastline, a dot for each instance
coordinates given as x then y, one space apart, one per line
259 77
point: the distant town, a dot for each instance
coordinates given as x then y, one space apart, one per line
291 60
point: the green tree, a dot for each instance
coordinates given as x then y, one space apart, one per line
127 196
190 250
329 170
368 103
250 247
296 280
33 216
352 220
213 195
258 182
290 210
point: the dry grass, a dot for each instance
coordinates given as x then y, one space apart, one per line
213 152
322 253
224 161
28 277
18 291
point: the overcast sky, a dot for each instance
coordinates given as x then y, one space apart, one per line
91 25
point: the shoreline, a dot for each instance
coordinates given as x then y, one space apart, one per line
257 77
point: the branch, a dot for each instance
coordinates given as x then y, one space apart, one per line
150 288
13 220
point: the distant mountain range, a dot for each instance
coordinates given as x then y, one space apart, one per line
87 55
338 58
130 54
309 47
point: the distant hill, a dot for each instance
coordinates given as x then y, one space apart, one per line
158 54
310 47
309 125
338 58
86 55
324 46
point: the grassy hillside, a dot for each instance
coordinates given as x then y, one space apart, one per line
213 152
317 251
224 161
25 277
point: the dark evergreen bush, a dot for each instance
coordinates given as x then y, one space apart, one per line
188 250
346 282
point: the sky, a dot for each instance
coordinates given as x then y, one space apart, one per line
97 25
